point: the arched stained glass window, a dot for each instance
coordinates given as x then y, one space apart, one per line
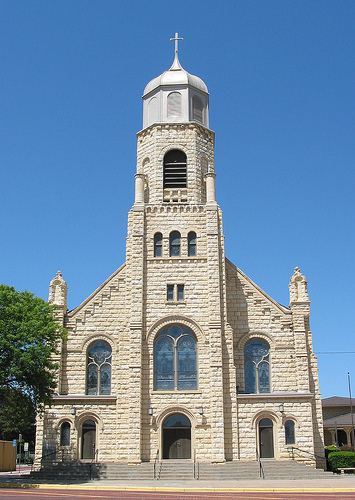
175 244
192 244
99 368
175 360
256 366
65 434
158 240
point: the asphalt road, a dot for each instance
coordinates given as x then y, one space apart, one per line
60 494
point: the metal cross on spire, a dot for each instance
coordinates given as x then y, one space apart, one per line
176 42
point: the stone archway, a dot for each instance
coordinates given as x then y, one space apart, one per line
176 434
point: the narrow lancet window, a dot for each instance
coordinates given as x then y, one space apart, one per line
175 244
192 244
158 239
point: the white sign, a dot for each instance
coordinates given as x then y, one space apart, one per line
25 447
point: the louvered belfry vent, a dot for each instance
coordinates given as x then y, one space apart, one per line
175 169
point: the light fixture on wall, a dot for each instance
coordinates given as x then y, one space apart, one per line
150 411
200 410
73 410
281 408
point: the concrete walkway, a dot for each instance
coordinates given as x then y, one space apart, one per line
334 483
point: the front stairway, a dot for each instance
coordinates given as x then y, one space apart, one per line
178 470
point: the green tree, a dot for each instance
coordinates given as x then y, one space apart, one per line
29 337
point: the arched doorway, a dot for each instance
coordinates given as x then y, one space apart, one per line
177 436
266 438
88 440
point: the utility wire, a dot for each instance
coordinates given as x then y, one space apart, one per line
336 352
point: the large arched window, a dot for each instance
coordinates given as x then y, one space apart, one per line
158 239
175 169
192 244
65 434
256 366
175 359
99 368
174 241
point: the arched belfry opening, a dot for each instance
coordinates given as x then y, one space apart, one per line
175 171
176 437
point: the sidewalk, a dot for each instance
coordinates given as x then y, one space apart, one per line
334 483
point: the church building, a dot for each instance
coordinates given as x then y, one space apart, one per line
178 354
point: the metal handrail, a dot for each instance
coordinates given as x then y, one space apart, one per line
292 448
156 463
196 468
261 470
44 456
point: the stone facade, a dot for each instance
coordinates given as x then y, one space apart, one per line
223 310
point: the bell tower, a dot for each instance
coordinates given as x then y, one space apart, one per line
175 262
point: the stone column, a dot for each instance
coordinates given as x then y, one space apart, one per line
211 187
139 189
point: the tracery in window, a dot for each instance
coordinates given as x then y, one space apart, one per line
175 362
158 239
290 432
65 434
256 366
99 368
192 244
174 244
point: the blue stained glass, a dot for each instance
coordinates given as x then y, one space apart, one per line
250 387
256 349
99 368
105 379
92 379
264 385
175 331
164 364
100 352
187 374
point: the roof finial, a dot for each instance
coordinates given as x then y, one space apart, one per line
176 66
176 42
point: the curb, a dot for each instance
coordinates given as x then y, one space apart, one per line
178 490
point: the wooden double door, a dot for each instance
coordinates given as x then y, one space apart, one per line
176 443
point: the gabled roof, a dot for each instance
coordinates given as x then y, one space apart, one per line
340 420
336 401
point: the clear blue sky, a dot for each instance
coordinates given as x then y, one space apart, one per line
281 81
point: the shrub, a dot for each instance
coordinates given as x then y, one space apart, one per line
340 459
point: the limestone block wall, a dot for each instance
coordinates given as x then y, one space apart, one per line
197 143
252 408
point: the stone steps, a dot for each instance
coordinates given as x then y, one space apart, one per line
178 470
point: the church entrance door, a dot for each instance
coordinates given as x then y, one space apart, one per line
88 439
266 439
177 437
